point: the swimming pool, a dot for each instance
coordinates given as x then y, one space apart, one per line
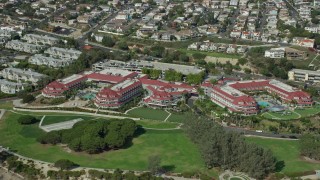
89 96
263 103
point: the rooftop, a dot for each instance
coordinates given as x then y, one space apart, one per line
71 78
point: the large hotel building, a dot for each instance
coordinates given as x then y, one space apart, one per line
231 94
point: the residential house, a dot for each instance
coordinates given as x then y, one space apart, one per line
313 28
40 39
242 49
184 35
85 19
235 34
245 35
304 42
295 54
232 48
63 53
9 87
40 59
22 75
194 46
275 53
23 47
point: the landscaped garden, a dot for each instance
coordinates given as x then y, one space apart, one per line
291 115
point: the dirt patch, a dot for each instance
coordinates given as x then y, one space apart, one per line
6 175
304 158
65 148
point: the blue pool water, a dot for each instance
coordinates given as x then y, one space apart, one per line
263 103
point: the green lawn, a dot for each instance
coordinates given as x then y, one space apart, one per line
157 124
149 113
51 119
175 149
180 117
287 151
308 111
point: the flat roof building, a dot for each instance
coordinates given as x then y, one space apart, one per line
304 75
138 65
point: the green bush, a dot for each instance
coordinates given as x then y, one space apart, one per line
28 98
27 119
64 164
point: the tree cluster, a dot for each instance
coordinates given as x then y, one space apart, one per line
229 150
108 41
119 175
310 146
64 164
19 167
27 98
172 75
65 174
152 73
195 78
93 136
27 119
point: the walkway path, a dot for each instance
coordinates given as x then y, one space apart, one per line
41 121
168 115
131 109
76 112
2 111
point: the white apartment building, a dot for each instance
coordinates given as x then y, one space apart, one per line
304 75
5 33
63 53
275 53
9 87
40 59
39 39
21 75
24 47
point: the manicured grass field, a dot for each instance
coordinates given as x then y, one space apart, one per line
149 113
52 119
157 124
175 149
180 117
287 151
